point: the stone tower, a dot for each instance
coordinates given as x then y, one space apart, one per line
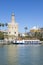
12 28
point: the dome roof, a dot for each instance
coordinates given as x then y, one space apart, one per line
35 28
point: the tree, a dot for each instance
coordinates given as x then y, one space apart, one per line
1 35
38 35
0 26
25 30
6 24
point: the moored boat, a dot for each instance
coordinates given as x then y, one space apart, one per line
26 42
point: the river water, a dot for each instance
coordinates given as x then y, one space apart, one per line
21 55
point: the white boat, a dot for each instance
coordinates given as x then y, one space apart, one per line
26 42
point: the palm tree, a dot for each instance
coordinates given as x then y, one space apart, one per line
0 24
25 30
6 24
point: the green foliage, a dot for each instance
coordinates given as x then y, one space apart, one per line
41 39
1 35
2 24
26 28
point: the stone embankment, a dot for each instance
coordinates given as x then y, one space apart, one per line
3 42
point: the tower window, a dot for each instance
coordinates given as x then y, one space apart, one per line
15 27
9 32
15 32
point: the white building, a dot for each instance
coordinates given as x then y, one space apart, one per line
12 28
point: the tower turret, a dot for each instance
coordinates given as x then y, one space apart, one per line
13 18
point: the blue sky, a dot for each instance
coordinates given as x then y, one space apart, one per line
27 12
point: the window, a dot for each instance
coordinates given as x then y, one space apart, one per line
15 32
12 27
9 32
15 27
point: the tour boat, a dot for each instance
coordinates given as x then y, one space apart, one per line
26 42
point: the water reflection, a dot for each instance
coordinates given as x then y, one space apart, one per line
12 55
21 55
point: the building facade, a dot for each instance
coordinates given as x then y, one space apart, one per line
38 32
12 31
